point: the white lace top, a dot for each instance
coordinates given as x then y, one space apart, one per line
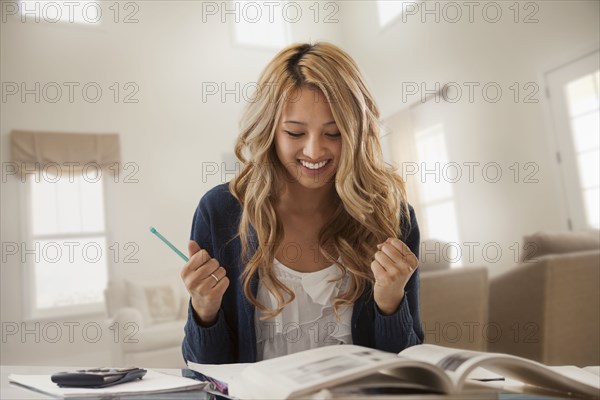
308 321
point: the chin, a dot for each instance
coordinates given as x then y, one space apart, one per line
310 182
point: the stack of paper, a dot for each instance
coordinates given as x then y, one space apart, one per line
152 382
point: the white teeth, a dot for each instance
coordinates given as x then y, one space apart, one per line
314 166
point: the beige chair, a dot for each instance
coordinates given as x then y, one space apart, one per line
547 308
454 301
454 307
148 320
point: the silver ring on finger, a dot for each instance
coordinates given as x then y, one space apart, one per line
215 277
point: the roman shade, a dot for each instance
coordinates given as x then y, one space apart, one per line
32 149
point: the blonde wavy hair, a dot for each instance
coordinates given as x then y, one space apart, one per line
371 199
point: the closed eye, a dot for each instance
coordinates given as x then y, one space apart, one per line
293 134
296 135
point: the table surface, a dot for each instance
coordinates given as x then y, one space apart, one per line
12 391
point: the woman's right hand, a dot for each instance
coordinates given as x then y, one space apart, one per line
206 281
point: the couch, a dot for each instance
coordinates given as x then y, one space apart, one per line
450 315
149 317
547 308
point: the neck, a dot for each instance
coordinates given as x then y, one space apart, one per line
310 202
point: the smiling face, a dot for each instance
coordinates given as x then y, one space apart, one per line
307 140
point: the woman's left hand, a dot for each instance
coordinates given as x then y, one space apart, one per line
393 266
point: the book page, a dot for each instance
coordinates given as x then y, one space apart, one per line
458 364
221 372
579 374
484 375
455 362
380 383
218 375
307 371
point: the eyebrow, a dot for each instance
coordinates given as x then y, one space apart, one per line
304 123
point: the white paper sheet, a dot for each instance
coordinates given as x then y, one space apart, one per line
152 382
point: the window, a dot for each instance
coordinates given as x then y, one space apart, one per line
574 100
388 10
64 235
436 192
65 251
79 12
261 23
582 100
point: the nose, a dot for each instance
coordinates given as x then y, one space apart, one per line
314 147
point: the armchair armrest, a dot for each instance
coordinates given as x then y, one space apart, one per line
454 307
547 309
128 315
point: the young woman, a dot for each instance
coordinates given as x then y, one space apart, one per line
313 243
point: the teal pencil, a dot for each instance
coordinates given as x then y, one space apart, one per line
165 241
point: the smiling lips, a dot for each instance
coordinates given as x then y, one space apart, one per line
313 166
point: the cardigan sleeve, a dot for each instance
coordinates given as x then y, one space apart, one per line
213 344
402 329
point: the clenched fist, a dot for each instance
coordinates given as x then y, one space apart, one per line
392 267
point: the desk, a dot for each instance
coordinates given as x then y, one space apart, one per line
11 391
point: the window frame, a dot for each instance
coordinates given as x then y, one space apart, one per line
394 20
450 198
562 148
61 21
259 46
28 239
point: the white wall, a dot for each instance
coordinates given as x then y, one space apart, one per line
170 52
505 132
168 134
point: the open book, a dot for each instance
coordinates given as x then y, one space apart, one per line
423 368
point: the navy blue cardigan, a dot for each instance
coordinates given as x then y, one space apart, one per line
232 338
